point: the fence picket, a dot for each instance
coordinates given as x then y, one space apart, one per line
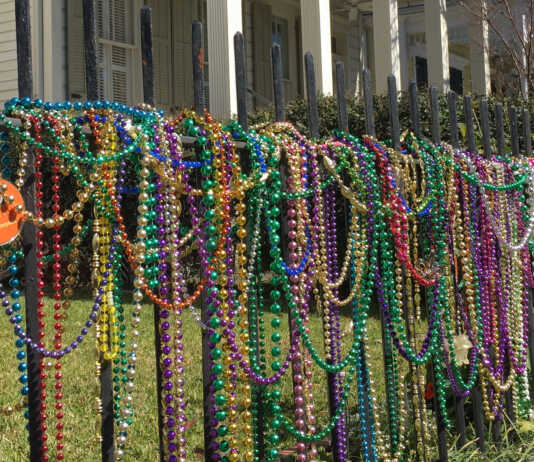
476 395
29 233
147 60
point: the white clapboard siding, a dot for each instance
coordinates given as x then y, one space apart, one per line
8 51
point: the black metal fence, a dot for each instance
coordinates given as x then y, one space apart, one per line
29 232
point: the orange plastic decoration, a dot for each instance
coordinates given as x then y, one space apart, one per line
12 213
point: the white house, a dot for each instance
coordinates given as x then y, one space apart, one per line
385 36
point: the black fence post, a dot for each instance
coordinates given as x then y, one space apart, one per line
106 377
278 85
486 143
29 233
198 105
514 130
147 56
147 60
414 394
280 113
459 401
313 121
499 128
311 92
528 153
414 109
394 112
368 101
342 118
453 119
241 80
387 343
242 117
440 422
198 68
343 125
478 416
89 34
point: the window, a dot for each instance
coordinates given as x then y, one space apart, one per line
421 76
421 72
280 36
457 80
115 46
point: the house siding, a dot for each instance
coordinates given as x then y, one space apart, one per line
8 51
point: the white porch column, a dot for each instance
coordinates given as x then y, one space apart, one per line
478 47
437 44
386 43
354 47
317 39
224 20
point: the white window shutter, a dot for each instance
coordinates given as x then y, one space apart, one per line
75 51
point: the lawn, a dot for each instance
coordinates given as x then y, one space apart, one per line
81 389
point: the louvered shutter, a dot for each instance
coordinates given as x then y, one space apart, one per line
262 29
116 49
184 12
161 42
75 51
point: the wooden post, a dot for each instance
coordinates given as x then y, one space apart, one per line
478 416
459 401
147 60
29 233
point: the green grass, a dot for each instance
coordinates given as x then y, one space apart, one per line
81 389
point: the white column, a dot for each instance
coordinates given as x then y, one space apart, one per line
437 44
317 39
386 43
354 47
478 47
224 20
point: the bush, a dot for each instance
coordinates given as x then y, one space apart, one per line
297 114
